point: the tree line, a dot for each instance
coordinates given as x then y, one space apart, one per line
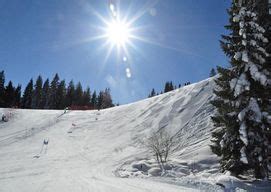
169 86
52 95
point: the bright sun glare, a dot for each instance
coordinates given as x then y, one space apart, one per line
118 32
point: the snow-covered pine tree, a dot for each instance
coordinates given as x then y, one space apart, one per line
226 141
243 96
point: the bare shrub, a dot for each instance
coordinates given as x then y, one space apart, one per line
161 144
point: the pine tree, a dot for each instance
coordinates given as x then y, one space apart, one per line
86 97
243 96
53 99
17 98
45 95
61 95
212 73
106 99
79 94
94 101
27 96
2 89
228 150
171 87
10 95
153 93
70 96
166 89
252 88
37 94
100 100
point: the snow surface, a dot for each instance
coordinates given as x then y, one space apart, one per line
91 150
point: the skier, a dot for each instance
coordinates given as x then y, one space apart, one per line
45 142
66 109
4 118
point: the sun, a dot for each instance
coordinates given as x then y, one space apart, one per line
118 33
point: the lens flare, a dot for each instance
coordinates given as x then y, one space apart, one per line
128 73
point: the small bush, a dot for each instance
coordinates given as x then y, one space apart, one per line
161 144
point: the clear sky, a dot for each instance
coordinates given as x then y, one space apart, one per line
176 40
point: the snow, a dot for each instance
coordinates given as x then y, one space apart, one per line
243 156
253 42
243 133
256 74
245 56
240 85
237 56
101 151
86 148
244 42
236 18
257 114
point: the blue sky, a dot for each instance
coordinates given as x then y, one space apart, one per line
45 37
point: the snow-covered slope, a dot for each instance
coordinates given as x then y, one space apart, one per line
87 148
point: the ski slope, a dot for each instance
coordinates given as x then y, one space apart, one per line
87 148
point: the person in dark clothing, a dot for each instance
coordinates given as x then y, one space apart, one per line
4 118
45 142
